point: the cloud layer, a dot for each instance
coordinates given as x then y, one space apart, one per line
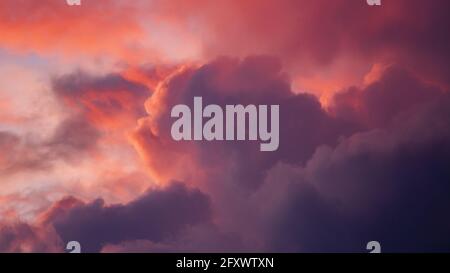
87 153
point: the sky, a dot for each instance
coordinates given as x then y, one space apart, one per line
86 153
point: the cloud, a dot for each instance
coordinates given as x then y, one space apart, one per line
72 138
326 45
107 101
154 216
368 163
396 92
339 179
231 171
389 185
21 237
93 105
308 36
253 80
47 27
199 238
343 176
18 154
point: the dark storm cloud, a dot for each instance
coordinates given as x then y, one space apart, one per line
157 215
390 185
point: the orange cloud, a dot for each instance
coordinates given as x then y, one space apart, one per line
47 26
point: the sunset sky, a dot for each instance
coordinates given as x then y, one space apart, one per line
86 152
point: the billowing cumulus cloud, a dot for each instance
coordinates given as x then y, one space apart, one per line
232 170
389 185
328 204
253 80
397 92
